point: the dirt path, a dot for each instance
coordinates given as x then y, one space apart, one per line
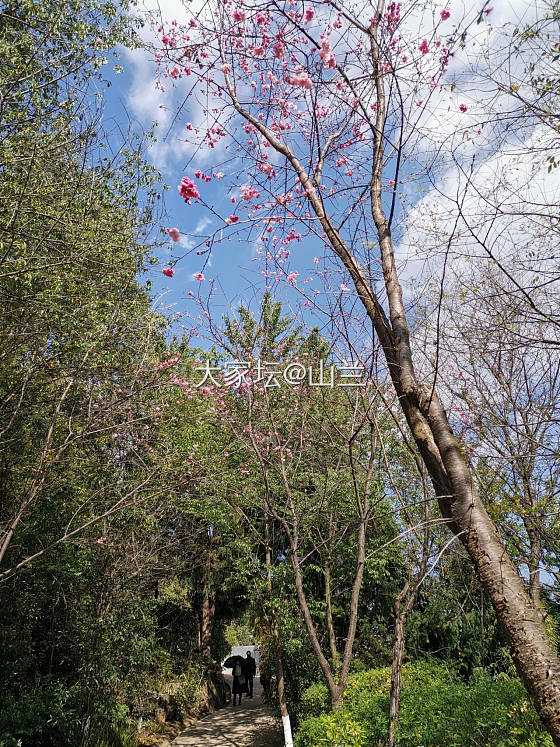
252 724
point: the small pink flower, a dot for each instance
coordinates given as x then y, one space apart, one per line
174 233
445 13
424 47
225 68
309 13
344 287
292 276
232 219
168 272
100 540
198 276
463 107
238 15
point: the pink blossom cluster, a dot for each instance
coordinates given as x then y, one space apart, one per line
200 175
327 55
247 193
266 168
393 16
187 190
300 79
169 363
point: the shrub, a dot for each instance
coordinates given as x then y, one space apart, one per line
337 729
438 708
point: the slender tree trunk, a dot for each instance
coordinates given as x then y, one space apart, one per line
286 725
328 614
396 668
208 606
207 622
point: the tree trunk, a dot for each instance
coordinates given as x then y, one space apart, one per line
208 606
396 671
328 615
286 725
207 622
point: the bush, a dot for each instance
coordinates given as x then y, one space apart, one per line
337 729
438 708
315 700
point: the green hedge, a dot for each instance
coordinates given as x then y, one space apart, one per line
439 709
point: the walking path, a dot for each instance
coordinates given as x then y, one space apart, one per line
252 724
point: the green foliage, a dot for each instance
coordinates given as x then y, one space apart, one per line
337 729
438 708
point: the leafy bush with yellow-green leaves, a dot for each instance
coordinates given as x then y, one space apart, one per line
439 709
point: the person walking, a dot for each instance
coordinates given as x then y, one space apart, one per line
250 672
239 680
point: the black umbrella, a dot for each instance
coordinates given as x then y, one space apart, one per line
231 661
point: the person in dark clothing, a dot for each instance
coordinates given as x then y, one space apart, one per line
250 672
239 681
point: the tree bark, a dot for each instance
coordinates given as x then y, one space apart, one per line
328 614
208 606
396 667
288 741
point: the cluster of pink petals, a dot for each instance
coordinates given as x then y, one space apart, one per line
301 79
238 15
392 16
187 190
291 278
247 193
309 13
232 219
445 13
326 54
198 276
424 47
168 272
174 233
200 175
463 107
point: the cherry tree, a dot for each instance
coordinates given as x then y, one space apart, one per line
321 117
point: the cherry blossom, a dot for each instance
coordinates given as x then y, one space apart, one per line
188 190
174 233
168 272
